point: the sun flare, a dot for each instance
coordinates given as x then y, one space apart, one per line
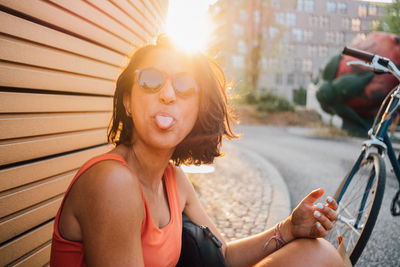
188 24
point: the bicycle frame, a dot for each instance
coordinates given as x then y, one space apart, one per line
380 140
382 129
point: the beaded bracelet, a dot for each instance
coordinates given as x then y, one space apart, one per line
280 242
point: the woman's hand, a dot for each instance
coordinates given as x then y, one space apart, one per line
308 220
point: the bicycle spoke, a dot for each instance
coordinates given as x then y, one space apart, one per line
356 205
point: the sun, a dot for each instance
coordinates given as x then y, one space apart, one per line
188 24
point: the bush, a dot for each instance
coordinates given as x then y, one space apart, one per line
271 102
300 96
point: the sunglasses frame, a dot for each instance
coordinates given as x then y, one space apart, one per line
167 77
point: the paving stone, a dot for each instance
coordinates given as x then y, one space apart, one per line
236 195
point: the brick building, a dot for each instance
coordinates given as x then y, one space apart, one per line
296 38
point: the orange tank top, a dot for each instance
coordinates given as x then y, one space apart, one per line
161 247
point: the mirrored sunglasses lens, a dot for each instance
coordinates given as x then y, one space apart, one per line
184 84
151 80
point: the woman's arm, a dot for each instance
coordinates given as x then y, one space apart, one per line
250 250
110 213
304 222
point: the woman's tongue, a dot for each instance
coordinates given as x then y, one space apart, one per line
164 122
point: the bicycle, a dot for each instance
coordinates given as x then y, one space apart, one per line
360 194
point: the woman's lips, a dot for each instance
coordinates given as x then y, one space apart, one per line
164 121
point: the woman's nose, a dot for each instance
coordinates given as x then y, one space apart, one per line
167 93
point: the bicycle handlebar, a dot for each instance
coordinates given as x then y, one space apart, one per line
366 56
376 63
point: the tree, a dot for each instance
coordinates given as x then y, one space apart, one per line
392 17
391 21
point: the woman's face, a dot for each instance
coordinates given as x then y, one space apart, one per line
162 117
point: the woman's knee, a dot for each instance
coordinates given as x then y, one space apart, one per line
305 252
327 254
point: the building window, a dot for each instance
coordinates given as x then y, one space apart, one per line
342 8
307 35
372 10
300 5
238 61
331 7
323 51
301 80
290 19
361 36
243 15
323 22
273 32
276 3
256 15
362 10
297 64
375 24
355 25
329 37
297 34
346 23
290 79
280 18
290 49
241 47
278 78
312 51
307 65
339 38
309 5
238 29
264 63
313 21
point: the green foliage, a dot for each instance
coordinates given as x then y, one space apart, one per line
392 17
300 96
391 21
269 101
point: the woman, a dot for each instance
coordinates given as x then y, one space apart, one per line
126 207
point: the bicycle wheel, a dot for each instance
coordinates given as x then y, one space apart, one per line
359 200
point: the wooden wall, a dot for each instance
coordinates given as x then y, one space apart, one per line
59 60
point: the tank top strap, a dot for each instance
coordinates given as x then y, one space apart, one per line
172 190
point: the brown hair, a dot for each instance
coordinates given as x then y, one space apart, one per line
214 120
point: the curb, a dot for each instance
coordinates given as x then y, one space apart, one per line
280 198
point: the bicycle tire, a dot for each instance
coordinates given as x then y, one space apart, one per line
356 221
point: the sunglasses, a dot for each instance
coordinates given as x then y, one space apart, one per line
152 80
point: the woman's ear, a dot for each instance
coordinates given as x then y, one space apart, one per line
127 104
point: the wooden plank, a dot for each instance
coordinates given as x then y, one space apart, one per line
130 21
84 10
36 147
31 31
35 103
56 16
150 8
26 219
25 52
39 78
157 7
39 257
141 8
35 171
17 126
19 247
29 195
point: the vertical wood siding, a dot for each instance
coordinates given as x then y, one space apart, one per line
59 60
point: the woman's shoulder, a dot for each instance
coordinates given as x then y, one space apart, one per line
108 182
109 175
